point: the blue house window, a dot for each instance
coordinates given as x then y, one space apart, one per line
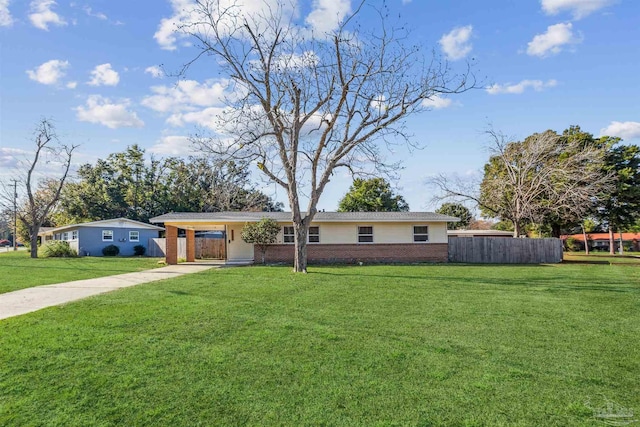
74 235
107 235
134 236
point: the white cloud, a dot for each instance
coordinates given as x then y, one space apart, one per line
98 15
187 95
578 8
155 71
185 13
172 145
6 20
624 130
518 88
104 75
207 117
112 115
437 102
327 14
50 72
553 41
72 85
11 157
455 44
41 14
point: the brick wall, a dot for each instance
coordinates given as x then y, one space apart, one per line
353 253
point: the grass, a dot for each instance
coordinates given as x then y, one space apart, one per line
602 258
18 271
373 346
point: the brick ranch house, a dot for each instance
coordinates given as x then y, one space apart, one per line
333 236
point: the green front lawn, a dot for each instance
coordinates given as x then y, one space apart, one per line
18 271
372 346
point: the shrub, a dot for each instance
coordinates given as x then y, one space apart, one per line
573 244
57 248
111 250
139 250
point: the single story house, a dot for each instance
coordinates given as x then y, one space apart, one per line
479 233
600 241
90 238
333 236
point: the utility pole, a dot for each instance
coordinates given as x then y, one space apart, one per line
15 214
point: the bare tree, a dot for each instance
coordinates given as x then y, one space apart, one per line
307 103
545 176
42 194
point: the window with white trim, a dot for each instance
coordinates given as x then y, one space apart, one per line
365 234
107 235
314 235
56 236
420 233
288 235
65 235
134 236
74 235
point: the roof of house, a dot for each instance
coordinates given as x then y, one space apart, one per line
231 217
479 233
113 223
603 236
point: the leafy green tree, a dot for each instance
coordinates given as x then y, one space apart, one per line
545 179
458 210
620 207
572 141
127 185
372 195
262 234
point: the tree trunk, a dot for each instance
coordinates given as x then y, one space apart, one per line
34 244
300 258
555 230
620 249
612 242
516 229
586 243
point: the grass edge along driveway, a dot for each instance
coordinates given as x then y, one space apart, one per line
18 271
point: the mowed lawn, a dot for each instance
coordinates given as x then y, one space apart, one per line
346 346
18 271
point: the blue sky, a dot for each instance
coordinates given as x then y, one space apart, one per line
92 66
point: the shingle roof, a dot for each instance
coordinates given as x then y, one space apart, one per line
131 224
319 217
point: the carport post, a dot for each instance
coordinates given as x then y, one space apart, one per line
191 245
172 244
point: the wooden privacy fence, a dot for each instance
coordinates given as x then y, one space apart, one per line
205 248
500 250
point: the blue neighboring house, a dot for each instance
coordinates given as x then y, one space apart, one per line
89 238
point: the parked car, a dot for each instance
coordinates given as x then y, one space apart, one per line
4 243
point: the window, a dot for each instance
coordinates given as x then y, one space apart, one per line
74 235
134 236
56 236
107 235
288 235
420 233
365 234
314 234
65 236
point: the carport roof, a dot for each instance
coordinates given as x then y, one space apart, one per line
235 217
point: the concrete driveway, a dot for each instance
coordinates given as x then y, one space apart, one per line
32 299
